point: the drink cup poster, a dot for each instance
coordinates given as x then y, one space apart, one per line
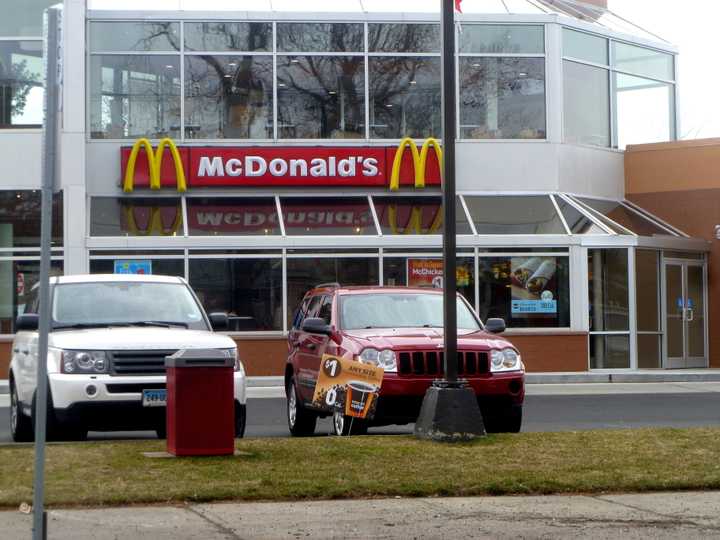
533 286
348 385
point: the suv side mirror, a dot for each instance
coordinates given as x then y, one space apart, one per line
316 325
218 320
495 325
27 321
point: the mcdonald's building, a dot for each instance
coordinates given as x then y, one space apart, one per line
260 152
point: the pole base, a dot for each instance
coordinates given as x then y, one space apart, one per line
449 413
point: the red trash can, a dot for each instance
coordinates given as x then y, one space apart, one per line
200 403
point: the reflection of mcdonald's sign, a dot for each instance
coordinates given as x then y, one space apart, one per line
415 222
152 220
419 159
154 160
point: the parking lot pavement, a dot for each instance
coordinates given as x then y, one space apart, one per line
660 515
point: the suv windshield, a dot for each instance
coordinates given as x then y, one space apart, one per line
97 304
402 310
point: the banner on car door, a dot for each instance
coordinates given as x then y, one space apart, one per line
347 385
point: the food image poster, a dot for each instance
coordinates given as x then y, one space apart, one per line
533 286
429 273
348 385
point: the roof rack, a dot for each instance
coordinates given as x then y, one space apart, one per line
330 285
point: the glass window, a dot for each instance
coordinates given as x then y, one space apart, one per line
403 37
227 36
18 289
248 290
232 216
585 46
21 83
577 222
423 271
327 216
228 97
527 291
649 351
405 97
622 215
645 110
531 214
586 95
130 216
502 98
647 287
305 273
23 17
609 352
118 36
321 97
20 219
608 278
134 96
505 39
162 267
320 37
416 215
642 61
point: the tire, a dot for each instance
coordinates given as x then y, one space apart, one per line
505 420
21 426
161 431
300 421
348 425
240 420
51 424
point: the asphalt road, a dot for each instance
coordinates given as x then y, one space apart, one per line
266 417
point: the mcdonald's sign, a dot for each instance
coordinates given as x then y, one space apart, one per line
169 165
156 220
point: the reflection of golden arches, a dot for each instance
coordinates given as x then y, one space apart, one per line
154 223
154 164
415 221
419 161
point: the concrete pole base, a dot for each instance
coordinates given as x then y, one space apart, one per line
449 413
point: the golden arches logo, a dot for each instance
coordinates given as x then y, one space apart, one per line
154 222
154 159
419 161
414 224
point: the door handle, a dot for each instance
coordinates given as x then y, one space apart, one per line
311 346
690 315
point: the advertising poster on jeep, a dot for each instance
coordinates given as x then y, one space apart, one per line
348 385
533 286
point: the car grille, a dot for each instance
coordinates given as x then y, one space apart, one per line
138 362
432 362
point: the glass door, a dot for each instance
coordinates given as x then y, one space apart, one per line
685 322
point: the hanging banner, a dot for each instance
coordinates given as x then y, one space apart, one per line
349 386
533 285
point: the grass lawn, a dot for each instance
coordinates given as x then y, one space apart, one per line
113 473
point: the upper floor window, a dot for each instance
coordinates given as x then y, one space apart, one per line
21 84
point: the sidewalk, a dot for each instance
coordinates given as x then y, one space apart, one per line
661 515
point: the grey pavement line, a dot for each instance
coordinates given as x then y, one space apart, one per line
608 499
222 529
684 385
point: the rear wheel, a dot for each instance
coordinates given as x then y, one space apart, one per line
348 425
21 427
503 420
51 424
300 420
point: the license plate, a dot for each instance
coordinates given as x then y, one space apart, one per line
154 398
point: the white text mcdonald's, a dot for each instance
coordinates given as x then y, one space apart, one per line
176 167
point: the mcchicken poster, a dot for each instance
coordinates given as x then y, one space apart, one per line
429 273
348 385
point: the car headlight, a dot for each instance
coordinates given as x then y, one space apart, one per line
232 353
84 362
505 360
385 358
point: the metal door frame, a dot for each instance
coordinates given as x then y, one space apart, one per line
685 360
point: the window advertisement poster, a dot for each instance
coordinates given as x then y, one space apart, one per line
133 267
429 273
348 385
533 286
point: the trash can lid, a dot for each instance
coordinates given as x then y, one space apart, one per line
200 358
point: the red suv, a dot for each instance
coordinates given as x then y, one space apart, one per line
401 330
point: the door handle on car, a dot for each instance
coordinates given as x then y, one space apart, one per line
311 346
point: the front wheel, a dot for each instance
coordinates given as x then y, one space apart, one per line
348 425
505 420
21 427
300 421
240 420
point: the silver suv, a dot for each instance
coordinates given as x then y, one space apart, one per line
108 340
